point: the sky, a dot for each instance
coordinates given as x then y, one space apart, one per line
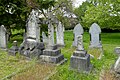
76 3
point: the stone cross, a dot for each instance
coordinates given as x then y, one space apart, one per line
44 37
3 37
80 43
95 32
60 34
78 30
33 29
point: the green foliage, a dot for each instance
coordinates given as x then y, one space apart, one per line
104 12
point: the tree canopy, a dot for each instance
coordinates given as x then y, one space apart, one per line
104 12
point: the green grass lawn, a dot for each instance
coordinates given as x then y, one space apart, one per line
109 42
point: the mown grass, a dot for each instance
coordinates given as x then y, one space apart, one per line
109 42
9 65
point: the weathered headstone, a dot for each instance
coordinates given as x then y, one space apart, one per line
78 30
95 38
31 46
33 29
3 37
14 49
80 60
60 35
44 38
52 54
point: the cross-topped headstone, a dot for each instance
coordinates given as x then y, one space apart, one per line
60 34
95 32
3 37
78 30
33 29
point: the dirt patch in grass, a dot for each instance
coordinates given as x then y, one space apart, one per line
108 75
37 72
96 52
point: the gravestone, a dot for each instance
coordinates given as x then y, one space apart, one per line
31 46
14 49
52 54
95 39
80 60
3 37
33 29
78 30
60 35
44 38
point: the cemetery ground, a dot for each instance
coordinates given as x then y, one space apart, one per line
18 68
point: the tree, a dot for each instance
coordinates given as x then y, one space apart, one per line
105 13
14 13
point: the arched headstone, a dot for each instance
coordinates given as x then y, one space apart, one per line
78 30
95 32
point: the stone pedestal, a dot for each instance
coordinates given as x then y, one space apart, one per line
31 49
52 55
14 49
80 61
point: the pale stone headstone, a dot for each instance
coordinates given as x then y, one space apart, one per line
44 37
60 34
31 46
78 30
33 29
3 37
95 32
